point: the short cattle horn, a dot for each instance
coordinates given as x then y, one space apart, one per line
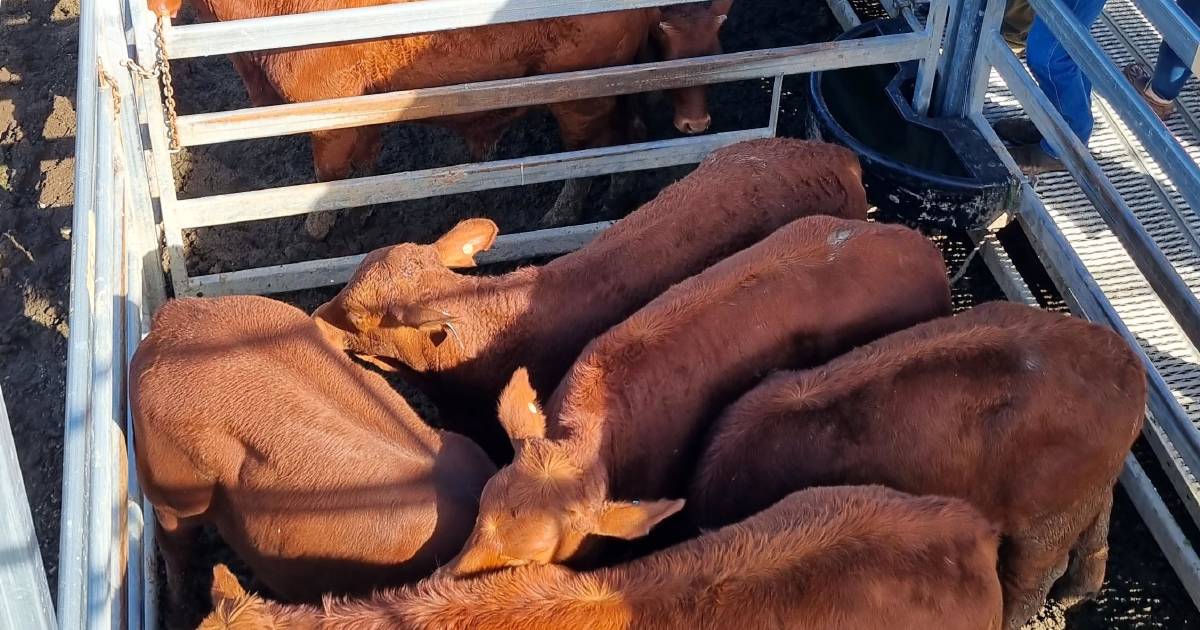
422 318
427 320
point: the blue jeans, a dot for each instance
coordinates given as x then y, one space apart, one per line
1064 84
1171 72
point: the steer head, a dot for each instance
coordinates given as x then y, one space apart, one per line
690 30
400 303
540 508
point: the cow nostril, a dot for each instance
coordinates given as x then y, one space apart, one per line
693 125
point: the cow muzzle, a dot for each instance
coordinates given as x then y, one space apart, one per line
693 125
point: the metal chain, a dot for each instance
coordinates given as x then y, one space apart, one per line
114 90
137 69
164 72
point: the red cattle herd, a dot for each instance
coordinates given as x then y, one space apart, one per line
743 406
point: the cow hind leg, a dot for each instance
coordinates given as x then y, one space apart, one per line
177 539
1031 564
1085 574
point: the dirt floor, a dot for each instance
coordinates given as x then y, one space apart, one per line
37 74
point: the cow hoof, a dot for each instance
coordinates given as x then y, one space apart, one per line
318 224
1072 600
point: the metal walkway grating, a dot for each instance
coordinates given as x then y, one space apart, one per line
1126 36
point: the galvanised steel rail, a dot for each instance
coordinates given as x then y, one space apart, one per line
1177 29
373 22
26 597
73 565
93 543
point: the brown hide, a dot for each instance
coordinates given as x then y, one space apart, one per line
317 474
501 51
852 558
1025 413
626 420
541 317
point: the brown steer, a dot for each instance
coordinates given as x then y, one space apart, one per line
626 420
1026 414
317 474
500 51
472 332
852 558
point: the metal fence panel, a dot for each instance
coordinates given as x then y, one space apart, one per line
406 105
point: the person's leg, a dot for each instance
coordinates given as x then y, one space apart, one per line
1172 73
1057 74
1018 18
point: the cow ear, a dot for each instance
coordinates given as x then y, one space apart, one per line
362 322
634 519
330 331
519 412
225 586
457 248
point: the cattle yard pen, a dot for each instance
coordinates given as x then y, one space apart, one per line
1135 266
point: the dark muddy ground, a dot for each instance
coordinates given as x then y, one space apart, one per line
37 70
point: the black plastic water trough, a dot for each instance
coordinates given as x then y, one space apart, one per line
936 172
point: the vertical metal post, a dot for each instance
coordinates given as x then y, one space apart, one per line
72 543
103 583
993 17
26 601
951 93
935 28
776 94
